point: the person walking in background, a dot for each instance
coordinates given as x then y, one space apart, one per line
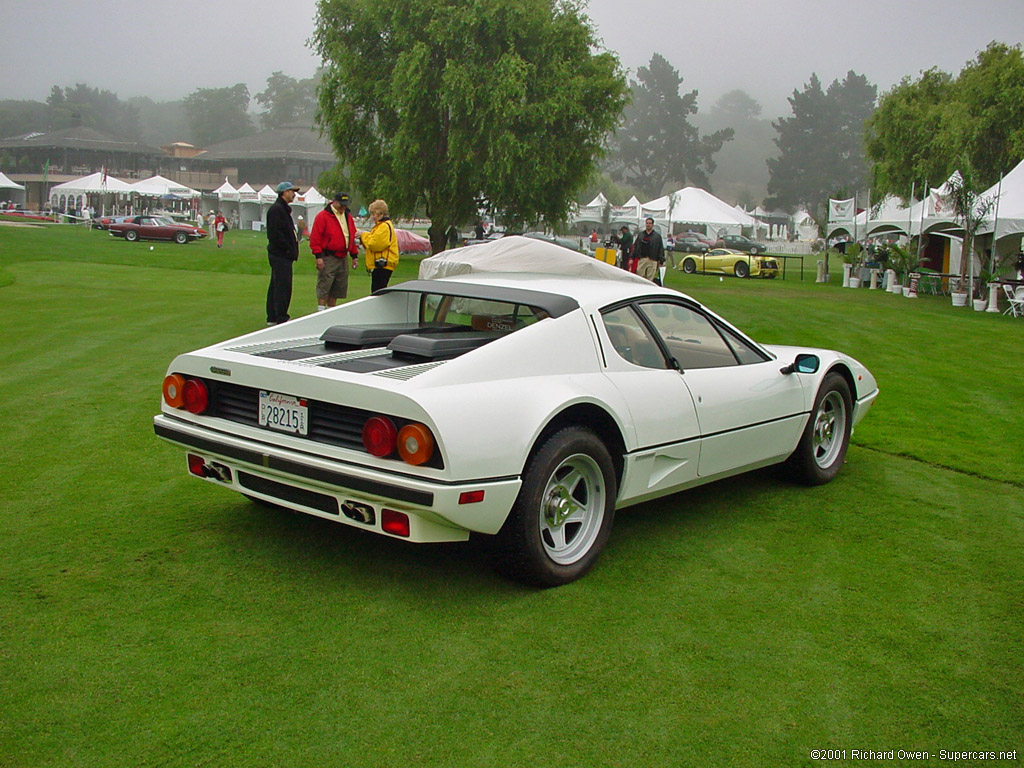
333 242
381 246
211 224
649 251
300 229
282 251
625 248
220 225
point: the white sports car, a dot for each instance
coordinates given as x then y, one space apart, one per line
523 391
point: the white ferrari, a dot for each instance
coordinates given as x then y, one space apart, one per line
516 390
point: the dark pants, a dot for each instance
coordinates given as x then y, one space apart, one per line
279 293
379 279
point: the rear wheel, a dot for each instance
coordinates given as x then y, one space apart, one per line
563 515
822 448
741 269
689 266
131 235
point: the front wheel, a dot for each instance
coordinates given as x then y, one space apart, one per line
822 448
741 269
563 515
180 238
689 266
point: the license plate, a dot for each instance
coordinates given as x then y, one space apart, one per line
283 413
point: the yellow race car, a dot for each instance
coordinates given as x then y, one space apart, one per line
725 261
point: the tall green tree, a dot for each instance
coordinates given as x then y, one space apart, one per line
218 114
93 108
904 136
458 104
287 101
821 146
926 128
656 143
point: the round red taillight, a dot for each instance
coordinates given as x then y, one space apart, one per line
380 436
415 444
173 394
195 396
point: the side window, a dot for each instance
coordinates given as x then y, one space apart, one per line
745 353
631 339
690 337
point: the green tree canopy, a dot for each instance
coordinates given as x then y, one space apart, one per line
454 104
287 101
656 144
923 125
821 147
218 114
92 108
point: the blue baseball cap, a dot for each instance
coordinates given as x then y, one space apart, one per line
284 186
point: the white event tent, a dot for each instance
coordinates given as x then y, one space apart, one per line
12 190
692 205
158 186
1007 216
73 194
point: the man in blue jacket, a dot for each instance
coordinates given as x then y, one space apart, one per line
282 251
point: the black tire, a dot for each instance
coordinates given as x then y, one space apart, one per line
822 448
180 238
131 235
563 515
689 266
741 269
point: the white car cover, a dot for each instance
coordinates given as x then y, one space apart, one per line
519 254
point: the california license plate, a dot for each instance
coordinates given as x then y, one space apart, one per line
283 413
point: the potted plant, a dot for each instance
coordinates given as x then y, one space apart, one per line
851 259
903 260
970 211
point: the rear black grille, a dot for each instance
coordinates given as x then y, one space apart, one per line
329 423
306 498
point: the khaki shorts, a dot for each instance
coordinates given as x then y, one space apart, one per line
648 268
332 280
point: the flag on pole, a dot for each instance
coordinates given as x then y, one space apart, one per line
840 210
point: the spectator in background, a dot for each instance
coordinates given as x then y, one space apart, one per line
381 246
220 226
625 249
649 250
333 242
282 251
211 224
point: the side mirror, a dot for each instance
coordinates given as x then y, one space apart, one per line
804 363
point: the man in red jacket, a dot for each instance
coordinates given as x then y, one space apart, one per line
333 242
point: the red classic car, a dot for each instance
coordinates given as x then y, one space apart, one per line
155 228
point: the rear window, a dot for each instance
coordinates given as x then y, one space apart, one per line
478 314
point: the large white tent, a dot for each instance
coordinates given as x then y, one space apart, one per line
692 205
226 193
158 186
11 190
6 183
1007 216
96 183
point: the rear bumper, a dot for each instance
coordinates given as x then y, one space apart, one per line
345 493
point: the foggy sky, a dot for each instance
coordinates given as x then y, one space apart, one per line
766 48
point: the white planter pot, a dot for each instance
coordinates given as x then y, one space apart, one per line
959 299
980 305
855 282
896 289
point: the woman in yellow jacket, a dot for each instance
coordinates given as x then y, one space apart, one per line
381 246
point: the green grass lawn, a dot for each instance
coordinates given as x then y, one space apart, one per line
147 619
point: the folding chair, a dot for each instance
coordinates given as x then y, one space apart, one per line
1017 302
1010 308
